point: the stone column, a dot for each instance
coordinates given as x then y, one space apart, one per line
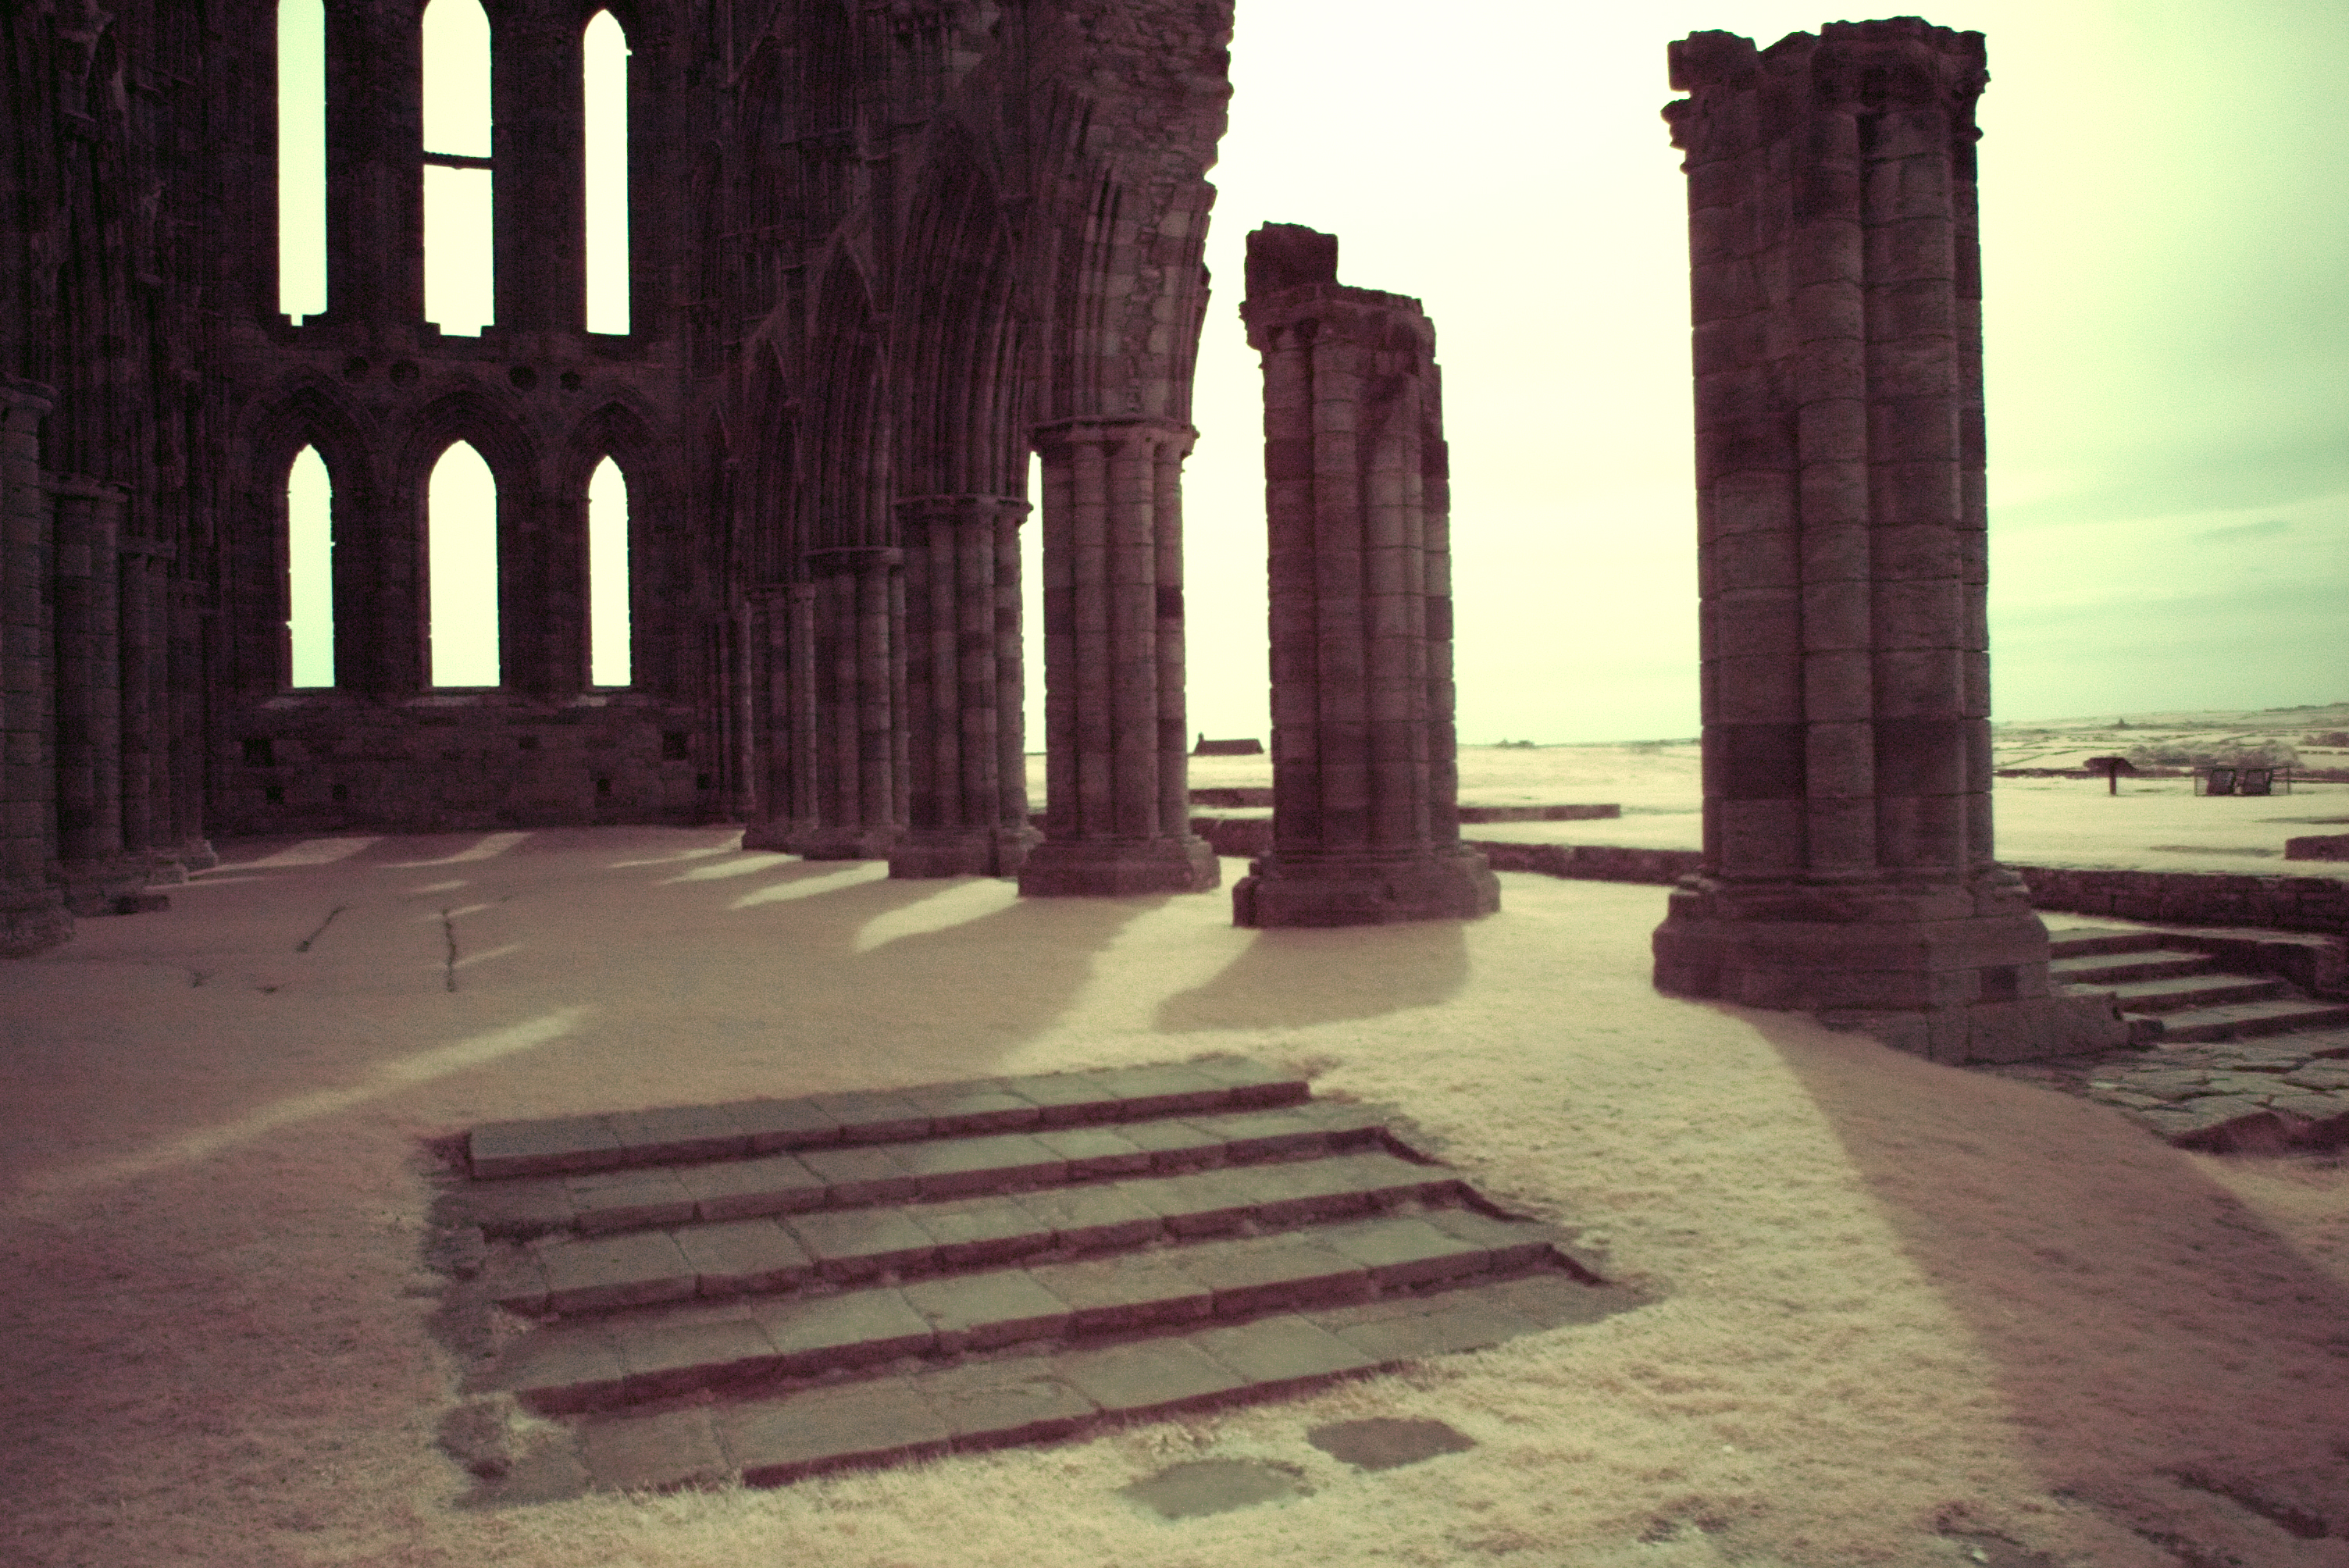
1841 550
967 776
786 719
91 864
539 193
375 180
1365 823
188 679
1117 759
859 678
32 913
146 700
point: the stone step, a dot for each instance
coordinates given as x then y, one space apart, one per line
2148 964
1024 1397
850 1176
760 1251
2251 1020
745 1344
676 1134
2080 940
2186 992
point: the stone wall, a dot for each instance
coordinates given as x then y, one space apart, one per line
2194 898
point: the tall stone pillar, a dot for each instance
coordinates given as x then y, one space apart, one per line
146 700
91 864
1365 818
374 187
539 193
1118 804
785 723
1837 284
32 913
859 610
188 679
967 776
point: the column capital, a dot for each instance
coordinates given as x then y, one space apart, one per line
1109 432
979 508
20 397
82 485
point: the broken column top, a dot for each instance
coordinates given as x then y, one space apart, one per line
1701 59
1867 66
1287 256
1292 275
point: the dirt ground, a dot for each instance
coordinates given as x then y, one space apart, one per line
1905 1313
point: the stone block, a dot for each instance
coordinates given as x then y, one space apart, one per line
1507 1243
739 1188
1146 1378
969 1107
1275 1277
516 1280
1168 1090
1174 1145
634 1270
1403 1251
1095 1152
1084 1218
545 1147
1264 1134
628 1200
564 1369
1116 1295
1551 1299
1475 1324
977 1312
867 1116
853 1329
827 1429
745 1255
679 1358
1281 1352
860 1244
950 1167
1201 1203
981 1231
1247 1082
522 1207
777 1124
666 1135
654 1453
1064 1099
995 1404
861 1175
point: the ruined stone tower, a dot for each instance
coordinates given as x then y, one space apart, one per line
1842 559
879 253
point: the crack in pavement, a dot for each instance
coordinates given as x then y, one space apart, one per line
304 945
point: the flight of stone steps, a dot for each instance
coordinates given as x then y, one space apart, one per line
774 1288
2228 1054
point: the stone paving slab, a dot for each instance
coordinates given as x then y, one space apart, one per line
634 1270
745 1257
629 1200
824 1428
658 1452
739 1188
564 1145
1146 1378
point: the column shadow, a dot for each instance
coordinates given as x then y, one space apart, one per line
1296 978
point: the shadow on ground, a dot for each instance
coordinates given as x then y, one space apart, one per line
1298 978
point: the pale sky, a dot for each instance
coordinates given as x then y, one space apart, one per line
2165 199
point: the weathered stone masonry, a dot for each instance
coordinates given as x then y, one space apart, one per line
1366 821
879 254
1842 560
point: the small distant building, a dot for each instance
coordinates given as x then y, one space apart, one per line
1246 747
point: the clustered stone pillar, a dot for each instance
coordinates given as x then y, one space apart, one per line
91 861
1117 789
785 728
1365 818
859 672
967 785
32 914
1847 856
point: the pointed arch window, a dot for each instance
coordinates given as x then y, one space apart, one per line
310 570
608 661
461 542
605 51
459 255
301 157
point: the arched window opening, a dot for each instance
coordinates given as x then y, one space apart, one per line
607 147
607 577
461 539
302 158
459 267
310 570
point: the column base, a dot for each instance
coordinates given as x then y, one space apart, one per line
962 851
1365 890
32 920
116 886
1115 868
1955 972
776 833
813 842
